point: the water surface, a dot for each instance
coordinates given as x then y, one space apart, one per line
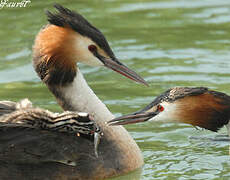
168 42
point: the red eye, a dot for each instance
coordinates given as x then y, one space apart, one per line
92 48
160 108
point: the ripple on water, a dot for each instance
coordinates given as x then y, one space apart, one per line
22 53
171 5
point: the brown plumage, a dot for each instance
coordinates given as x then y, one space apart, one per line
208 110
196 106
53 54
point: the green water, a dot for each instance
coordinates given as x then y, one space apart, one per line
168 42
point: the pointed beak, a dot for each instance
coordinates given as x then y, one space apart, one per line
124 70
132 118
117 66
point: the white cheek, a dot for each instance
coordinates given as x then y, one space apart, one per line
83 55
168 115
89 59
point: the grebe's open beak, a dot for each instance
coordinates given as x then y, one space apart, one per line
132 118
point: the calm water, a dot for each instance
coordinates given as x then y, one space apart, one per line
168 42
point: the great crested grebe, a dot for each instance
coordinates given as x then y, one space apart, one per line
196 106
27 153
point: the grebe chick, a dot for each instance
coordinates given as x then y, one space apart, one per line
75 123
197 106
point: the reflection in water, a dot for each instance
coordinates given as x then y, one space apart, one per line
169 43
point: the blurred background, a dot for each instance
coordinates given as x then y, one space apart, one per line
168 42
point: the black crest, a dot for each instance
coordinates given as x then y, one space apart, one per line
78 23
175 93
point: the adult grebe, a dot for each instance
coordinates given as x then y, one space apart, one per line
27 153
196 106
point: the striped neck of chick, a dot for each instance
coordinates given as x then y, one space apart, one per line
73 123
22 112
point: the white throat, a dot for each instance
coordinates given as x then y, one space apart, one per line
81 98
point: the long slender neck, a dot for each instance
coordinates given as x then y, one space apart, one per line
77 96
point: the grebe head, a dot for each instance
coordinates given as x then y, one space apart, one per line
196 106
67 40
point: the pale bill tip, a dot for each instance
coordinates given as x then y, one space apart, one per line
83 114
